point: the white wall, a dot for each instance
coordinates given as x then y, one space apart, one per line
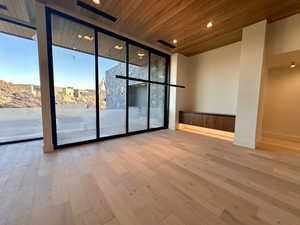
214 80
280 117
281 111
250 76
283 35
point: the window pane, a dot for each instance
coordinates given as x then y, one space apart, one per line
74 81
157 105
138 105
111 61
20 103
138 62
158 68
138 91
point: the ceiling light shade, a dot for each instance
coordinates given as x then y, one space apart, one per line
88 38
140 54
96 2
118 47
293 65
174 41
209 25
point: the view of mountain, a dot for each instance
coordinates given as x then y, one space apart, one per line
18 96
29 95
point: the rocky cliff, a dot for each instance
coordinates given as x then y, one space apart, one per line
15 96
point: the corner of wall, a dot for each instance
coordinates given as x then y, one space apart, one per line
178 75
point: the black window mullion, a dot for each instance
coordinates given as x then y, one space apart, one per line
127 84
147 81
167 91
149 85
97 86
51 77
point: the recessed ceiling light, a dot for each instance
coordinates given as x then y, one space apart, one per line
140 54
96 2
174 41
293 65
79 36
88 38
118 47
209 25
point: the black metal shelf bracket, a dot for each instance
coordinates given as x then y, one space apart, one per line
147 81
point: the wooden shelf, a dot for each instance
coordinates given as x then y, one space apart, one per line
215 121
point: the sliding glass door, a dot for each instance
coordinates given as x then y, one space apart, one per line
73 50
158 70
112 91
138 90
102 85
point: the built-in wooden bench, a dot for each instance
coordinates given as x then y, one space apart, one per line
216 121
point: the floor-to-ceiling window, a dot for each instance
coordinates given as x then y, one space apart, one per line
73 53
138 90
112 91
20 94
103 85
158 69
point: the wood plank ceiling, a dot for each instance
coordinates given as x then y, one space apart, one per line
20 9
185 20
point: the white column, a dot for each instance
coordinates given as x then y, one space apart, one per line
178 99
44 76
173 80
251 70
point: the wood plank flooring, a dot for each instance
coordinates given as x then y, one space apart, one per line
159 178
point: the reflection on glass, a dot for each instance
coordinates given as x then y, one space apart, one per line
138 91
138 62
157 99
20 95
74 81
158 68
138 105
112 55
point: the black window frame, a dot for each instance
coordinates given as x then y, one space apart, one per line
97 29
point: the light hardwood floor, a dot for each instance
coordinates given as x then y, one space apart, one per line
158 178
